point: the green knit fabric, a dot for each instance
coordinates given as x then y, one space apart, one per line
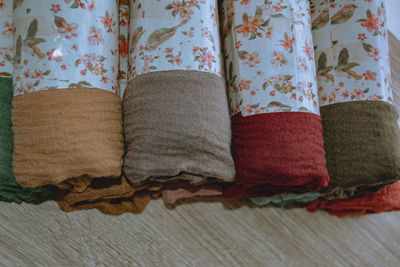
9 189
286 199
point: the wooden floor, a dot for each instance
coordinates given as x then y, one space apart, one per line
199 234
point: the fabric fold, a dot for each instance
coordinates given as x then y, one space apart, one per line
110 196
67 116
388 199
362 138
277 140
176 120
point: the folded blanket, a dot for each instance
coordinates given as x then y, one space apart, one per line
66 115
176 120
277 140
9 189
362 138
385 200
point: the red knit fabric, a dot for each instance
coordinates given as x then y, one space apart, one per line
277 153
387 199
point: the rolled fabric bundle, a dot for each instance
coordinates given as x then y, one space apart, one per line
67 116
109 195
176 119
388 199
277 140
10 190
362 138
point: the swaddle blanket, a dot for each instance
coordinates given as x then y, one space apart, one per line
176 120
277 140
362 138
66 114
9 189
388 199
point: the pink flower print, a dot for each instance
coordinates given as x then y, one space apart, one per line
288 42
104 79
7 29
302 64
251 59
27 74
207 59
37 74
91 7
248 26
75 47
268 33
67 29
63 67
238 44
2 64
309 51
252 93
108 22
374 97
369 75
345 94
244 85
55 8
96 36
176 60
55 54
371 23
375 53
244 2
272 93
362 36
2 4
357 94
168 50
29 86
279 59
83 72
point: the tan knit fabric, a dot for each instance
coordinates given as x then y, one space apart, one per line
67 137
177 126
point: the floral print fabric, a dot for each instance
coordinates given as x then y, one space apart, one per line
351 49
269 56
123 47
6 39
65 44
174 35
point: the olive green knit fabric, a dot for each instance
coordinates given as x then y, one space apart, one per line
362 143
9 189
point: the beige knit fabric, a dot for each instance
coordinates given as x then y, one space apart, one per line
67 137
177 126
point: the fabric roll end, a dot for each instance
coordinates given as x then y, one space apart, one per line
362 142
176 126
277 153
64 134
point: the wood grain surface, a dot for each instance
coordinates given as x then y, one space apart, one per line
200 234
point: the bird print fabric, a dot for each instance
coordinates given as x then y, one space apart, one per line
174 35
6 39
68 44
351 50
269 56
